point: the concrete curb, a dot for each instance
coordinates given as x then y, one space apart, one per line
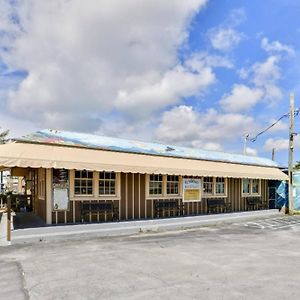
32 235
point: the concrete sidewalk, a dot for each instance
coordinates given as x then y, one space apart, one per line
131 227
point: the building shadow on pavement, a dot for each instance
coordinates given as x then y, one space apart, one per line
27 220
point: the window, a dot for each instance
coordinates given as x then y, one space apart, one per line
172 185
246 186
155 184
107 183
214 186
83 183
220 186
208 185
251 187
255 186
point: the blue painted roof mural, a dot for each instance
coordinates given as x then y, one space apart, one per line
131 146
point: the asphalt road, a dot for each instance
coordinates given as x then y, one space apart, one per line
250 260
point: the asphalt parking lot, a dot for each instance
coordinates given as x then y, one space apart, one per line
257 259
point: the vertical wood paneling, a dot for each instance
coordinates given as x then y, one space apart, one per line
235 195
70 213
264 191
149 204
60 217
78 211
129 196
136 196
142 195
133 203
123 196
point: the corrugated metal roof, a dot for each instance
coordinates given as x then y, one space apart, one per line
91 141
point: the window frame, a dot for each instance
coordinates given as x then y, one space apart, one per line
95 196
93 184
205 194
258 187
214 194
166 189
105 179
162 186
251 194
215 187
164 194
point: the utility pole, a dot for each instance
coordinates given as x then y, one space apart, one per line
273 154
291 152
245 143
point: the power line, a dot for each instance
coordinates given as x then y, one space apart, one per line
253 139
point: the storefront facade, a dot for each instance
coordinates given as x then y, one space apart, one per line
63 175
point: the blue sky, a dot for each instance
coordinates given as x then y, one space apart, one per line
194 73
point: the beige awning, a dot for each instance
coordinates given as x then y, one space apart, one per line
48 156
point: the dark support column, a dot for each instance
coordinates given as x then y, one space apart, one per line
9 218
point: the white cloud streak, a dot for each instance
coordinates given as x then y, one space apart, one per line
209 129
241 98
276 47
225 39
225 36
91 60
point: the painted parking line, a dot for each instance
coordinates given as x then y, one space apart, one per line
278 223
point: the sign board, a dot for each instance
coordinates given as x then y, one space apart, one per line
191 189
60 199
60 189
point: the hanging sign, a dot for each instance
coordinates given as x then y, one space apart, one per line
60 189
191 190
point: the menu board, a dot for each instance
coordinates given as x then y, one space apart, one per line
60 188
60 199
191 190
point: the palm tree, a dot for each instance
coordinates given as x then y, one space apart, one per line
297 165
3 136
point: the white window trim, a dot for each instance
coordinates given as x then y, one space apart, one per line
179 187
159 196
117 188
251 194
95 195
214 185
164 194
82 195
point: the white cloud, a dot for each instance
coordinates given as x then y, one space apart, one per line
278 144
180 124
251 151
236 17
97 58
263 78
280 126
281 144
16 127
276 46
209 129
241 98
266 75
225 39
180 82
243 73
212 146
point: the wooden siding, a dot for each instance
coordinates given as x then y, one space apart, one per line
134 205
41 208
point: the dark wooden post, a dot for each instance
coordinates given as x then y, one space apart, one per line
8 218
